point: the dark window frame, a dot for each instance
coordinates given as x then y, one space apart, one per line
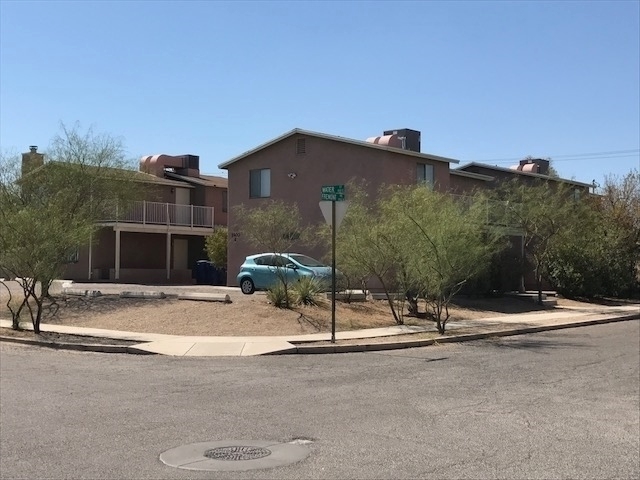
256 181
421 177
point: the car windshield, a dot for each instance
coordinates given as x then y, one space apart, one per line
307 261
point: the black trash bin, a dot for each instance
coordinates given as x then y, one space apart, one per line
206 273
203 272
222 276
219 276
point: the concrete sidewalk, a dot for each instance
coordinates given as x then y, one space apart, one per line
358 340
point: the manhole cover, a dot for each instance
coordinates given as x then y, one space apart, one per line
237 453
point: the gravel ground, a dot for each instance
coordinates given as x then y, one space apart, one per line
245 315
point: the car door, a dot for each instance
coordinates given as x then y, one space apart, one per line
261 274
290 274
275 268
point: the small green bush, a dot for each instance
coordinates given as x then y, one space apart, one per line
280 296
306 291
216 246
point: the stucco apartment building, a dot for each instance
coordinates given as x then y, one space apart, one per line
294 166
158 239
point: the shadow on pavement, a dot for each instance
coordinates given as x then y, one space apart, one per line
527 343
499 304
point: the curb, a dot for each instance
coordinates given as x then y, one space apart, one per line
372 347
81 347
345 348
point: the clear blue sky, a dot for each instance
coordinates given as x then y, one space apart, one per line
482 81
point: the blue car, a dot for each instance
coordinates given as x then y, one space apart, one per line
261 271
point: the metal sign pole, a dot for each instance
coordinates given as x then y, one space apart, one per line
332 194
333 272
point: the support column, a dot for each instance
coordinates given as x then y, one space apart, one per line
90 255
168 255
523 287
117 254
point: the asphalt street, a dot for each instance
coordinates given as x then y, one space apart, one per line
561 404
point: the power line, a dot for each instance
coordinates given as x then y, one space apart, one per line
593 158
599 153
573 157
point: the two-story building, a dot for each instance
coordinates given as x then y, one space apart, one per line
158 239
294 166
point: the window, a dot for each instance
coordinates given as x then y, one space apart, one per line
306 261
225 200
73 256
260 183
272 261
576 194
425 174
264 260
301 146
291 235
278 261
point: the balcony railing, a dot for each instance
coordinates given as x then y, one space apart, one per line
497 213
156 213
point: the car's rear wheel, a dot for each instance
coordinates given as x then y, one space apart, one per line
247 286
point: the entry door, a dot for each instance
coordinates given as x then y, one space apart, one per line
180 253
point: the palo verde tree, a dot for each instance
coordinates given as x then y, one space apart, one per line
275 227
49 210
441 243
417 244
543 212
365 245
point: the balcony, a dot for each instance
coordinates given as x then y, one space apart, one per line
169 214
497 213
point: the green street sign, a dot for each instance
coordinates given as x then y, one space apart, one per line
332 193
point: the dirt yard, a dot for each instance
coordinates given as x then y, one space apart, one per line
245 315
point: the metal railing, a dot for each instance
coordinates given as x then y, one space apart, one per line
157 213
497 213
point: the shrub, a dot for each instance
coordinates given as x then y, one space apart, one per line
216 247
306 291
280 296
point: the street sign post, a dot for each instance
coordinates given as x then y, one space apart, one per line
333 194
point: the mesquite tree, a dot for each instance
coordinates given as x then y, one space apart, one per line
47 211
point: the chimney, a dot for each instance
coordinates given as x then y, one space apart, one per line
32 159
